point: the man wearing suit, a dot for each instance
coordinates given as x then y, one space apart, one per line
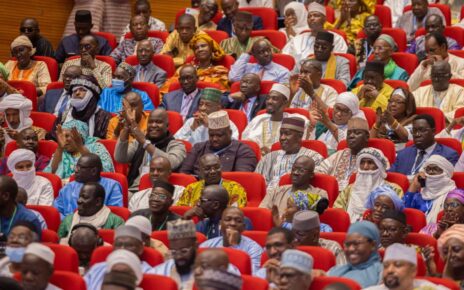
248 100
146 71
230 8
56 101
184 100
410 160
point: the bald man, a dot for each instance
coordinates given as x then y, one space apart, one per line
215 259
301 175
30 28
146 70
84 240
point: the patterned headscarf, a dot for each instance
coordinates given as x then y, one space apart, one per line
217 53
456 231
23 40
385 190
82 128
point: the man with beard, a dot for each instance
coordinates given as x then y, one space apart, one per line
218 280
158 141
400 269
364 47
37 268
183 245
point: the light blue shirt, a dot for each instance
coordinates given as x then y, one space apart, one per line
111 101
95 275
66 202
272 72
246 244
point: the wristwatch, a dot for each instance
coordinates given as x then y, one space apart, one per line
145 145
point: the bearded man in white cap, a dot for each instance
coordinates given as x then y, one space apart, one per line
264 129
295 270
37 268
372 168
145 227
400 269
234 155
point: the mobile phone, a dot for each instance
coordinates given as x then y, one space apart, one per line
421 181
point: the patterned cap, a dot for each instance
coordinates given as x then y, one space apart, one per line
283 89
220 279
181 229
400 252
293 123
211 94
297 260
218 120
305 220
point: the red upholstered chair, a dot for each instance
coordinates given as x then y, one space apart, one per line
338 237
337 85
300 111
49 236
54 180
187 144
268 15
386 146
337 218
52 66
181 179
107 235
46 147
265 89
315 145
408 61
151 89
455 32
458 178
179 209
162 60
284 60
445 9
254 283
423 240
323 281
450 142
217 35
337 31
175 121
277 38
227 61
156 282
110 37
324 181
458 113
66 258
255 147
50 215
43 120
257 236
201 85
458 53
397 84
441 281
110 146
461 15
394 177
261 218
55 85
384 14
330 14
105 58
149 255
239 119
415 218
352 59
120 211
68 280
28 90
398 34
163 237
238 258
163 35
254 184
216 17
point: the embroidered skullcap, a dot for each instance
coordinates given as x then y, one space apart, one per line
218 120
83 16
455 231
119 278
128 68
244 16
23 40
21 103
395 215
280 88
297 260
128 258
140 222
377 156
441 162
211 94
387 38
324 35
293 123
41 251
400 252
358 124
305 220
384 190
376 66
181 229
352 102
20 155
88 82
366 229
457 194
316 7
165 185
128 231
219 279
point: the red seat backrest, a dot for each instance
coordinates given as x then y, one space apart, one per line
337 218
43 120
321 282
151 89
63 279
315 145
398 34
66 258
181 179
156 282
268 15
277 38
175 121
110 146
50 215
415 218
386 146
384 14
258 236
107 235
46 147
52 66
239 119
255 147
338 237
162 60
217 35
28 90
120 211
265 88
55 86
337 85
352 59
149 255
254 184
407 61
238 258
110 37
452 285
261 218
445 9
49 236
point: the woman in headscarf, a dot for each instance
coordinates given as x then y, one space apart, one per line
395 123
451 249
453 213
372 168
84 107
384 47
207 53
333 131
380 200
39 189
430 187
24 68
295 19
364 264
73 142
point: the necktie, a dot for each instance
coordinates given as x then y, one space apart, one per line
63 105
419 160
261 72
142 74
245 106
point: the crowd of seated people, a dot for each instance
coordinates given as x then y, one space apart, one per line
252 144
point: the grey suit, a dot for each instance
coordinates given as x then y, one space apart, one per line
50 100
153 74
173 102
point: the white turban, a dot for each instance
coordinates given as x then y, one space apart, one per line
283 89
441 162
21 103
41 251
377 156
352 102
127 258
24 179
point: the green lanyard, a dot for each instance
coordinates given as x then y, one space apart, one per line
11 221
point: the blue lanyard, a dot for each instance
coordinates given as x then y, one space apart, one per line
11 222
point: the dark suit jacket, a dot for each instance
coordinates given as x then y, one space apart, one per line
259 104
236 157
173 102
226 25
406 158
50 100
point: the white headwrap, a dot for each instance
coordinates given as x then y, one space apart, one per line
24 179
437 186
366 181
301 16
352 102
41 251
21 103
283 89
127 258
140 222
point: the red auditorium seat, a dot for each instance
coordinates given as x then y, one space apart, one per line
384 14
441 281
52 66
175 178
217 35
254 184
107 235
46 147
398 34
445 9
149 255
50 214
43 120
415 218
352 59
268 15
337 85
320 283
66 258
277 38
63 279
265 88
238 258
110 37
175 122
386 146
151 89
28 90
255 147
261 218
49 236
55 86
239 119
455 32
338 237
257 236
110 146
337 218
315 145
120 211
157 282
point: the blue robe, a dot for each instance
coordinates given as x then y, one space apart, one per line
366 274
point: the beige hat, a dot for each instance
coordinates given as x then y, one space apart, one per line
140 222
283 89
23 40
181 229
41 251
305 220
316 7
128 231
218 120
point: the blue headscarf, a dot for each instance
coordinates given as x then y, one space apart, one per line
384 190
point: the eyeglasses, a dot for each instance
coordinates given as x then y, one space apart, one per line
420 130
158 196
439 76
396 102
182 251
85 46
454 204
355 244
26 29
21 238
381 48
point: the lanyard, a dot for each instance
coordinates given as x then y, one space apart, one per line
160 228
11 221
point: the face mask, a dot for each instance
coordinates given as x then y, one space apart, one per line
80 104
118 85
24 179
15 254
